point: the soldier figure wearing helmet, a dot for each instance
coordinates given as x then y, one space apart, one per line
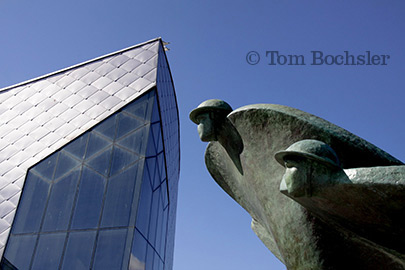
310 165
214 126
209 116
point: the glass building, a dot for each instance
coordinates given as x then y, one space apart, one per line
89 165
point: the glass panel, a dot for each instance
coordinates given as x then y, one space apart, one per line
88 206
138 253
136 141
107 127
79 250
162 247
102 162
138 108
153 171
164 193
18 246
159 226
118 202
110 249
60 203
96 144
32 205
65 164
127 124
161 164
121 159
151 150
145 202
154 217
150 165
78 147
156 133
155 114
149 258
156 180
46 167
159 146
49 251
157 262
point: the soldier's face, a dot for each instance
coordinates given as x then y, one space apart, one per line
295 179
206 128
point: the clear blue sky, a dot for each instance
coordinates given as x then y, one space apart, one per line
209 43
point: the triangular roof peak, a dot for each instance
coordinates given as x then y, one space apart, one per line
39 116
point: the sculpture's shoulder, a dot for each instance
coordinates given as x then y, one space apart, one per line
287 125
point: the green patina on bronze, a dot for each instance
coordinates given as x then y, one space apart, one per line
343 213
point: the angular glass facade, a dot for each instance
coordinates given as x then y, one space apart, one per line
100 202
107 198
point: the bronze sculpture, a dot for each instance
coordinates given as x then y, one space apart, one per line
344 211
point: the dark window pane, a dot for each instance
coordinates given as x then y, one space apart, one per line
96 144
155 114
65 164
49 251
164 193
153 171
46 167
151 150
157 262
136 141
145 202
121 159
88 206
159 226
154 217
139 107
101 162
107 127
155 129
60 203
127 123
32 205
78 147
19 250
157 179
149 258
161 164
156 135
118 202
110 249
149 168
79 250
138 253
162 247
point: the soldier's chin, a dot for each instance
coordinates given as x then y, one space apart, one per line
207 138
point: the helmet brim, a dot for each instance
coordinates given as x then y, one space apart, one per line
197 111
281 155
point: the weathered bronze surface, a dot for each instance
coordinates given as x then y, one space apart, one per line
330 200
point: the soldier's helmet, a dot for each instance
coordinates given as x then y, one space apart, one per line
211 105
311 149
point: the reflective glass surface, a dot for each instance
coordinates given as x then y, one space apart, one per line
79 250
110 250
170 132
106 200
49 251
